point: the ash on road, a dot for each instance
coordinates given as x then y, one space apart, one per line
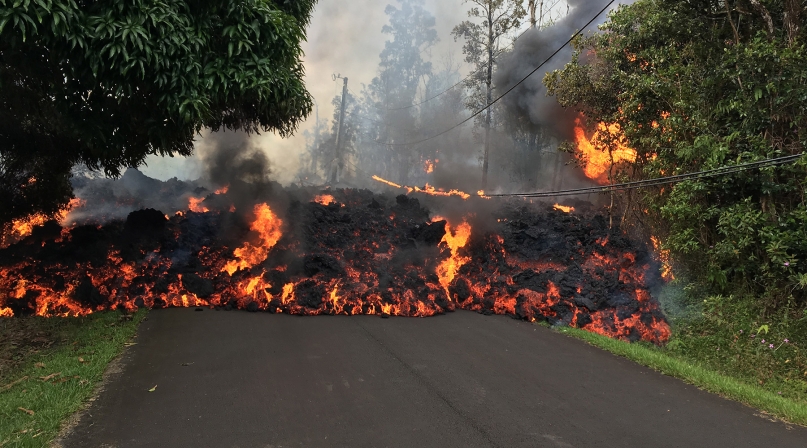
235 379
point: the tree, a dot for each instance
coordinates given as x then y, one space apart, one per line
697 85
482 47
108 83
402 73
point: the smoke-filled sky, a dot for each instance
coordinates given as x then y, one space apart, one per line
344 38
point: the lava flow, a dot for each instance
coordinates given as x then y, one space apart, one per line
344 252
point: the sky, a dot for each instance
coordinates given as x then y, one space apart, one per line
344 38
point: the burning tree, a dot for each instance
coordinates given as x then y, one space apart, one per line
108 83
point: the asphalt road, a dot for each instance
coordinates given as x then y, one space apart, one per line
237 379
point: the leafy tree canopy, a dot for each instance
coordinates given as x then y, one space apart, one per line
106 83
700 84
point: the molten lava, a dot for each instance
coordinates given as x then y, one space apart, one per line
325 199
194 205
597 157
21 228
267 225
369 256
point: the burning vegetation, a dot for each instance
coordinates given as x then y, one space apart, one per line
598 159
350 252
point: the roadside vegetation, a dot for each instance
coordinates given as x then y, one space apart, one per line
50 367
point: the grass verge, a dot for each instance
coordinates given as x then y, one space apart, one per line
703 378
50 367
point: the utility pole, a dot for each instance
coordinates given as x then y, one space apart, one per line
338 156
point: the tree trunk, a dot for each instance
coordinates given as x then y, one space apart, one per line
792 20
489 98
766 16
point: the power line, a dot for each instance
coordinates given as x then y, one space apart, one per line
512 44
732 169
477 113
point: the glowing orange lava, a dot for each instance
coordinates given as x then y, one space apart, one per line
325 199
21 228
563 208
194 205
598 161
268 227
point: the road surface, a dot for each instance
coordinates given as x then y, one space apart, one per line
238 379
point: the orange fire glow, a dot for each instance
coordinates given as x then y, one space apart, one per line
268 227
194 205
449 267
428 166
384 181
428 189
325 199
598 160
563 208
21 228
664 258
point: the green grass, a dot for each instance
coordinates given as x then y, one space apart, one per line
704 378
54 366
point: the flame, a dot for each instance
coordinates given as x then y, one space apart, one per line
664 258
384 181
428 189
267 225
448 268
598 161
23 227
428 166
194 205
325 199
563 208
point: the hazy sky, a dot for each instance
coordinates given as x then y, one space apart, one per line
344 38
